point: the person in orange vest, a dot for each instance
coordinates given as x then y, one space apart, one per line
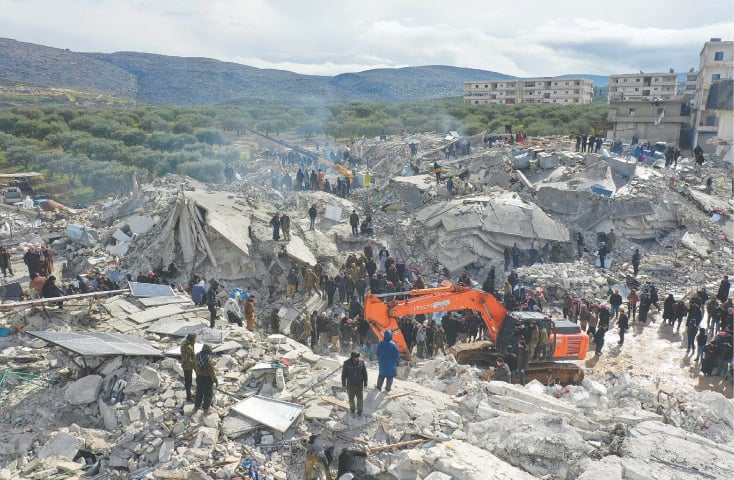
250 312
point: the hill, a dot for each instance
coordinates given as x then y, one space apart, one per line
167 80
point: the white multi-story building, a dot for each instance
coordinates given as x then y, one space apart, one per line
643 87
532 90
716 63
646 106
689 87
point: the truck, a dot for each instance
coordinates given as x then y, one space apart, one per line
567 340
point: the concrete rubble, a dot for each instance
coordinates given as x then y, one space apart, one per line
125 416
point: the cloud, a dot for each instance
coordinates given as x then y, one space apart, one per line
328 37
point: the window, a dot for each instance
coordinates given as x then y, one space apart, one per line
637 89
715 76
718 56
637 80
625 80
711 121
660 110
633 111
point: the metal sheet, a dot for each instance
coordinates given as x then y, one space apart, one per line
151 290
92 344
275 414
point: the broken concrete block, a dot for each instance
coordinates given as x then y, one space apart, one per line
108 415
84 390
167 448
62 445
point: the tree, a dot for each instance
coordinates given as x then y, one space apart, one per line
212 136
22 155
211 171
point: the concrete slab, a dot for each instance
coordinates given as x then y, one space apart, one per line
140 224
176 327
155 313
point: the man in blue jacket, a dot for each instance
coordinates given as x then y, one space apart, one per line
388 357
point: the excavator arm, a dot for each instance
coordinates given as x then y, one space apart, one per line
383 315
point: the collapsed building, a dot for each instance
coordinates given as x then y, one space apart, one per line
95 390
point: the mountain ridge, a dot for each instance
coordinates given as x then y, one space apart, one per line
157 79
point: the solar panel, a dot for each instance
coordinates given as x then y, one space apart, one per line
151 290
93 344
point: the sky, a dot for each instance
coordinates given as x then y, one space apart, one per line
526 38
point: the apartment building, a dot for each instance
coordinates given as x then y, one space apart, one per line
643 87
646 106
648 120
532 90
688 91
716 63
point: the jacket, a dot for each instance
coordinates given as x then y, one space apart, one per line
354 374
187 355
204 366
388 356
502 374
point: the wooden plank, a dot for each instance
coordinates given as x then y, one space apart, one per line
397 395
335 401
409 443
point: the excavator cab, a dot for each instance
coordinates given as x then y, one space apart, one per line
566 340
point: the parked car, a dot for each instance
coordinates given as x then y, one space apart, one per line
12 195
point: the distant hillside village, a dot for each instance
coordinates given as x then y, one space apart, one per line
655 107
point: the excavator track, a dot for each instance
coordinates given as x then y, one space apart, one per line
483 354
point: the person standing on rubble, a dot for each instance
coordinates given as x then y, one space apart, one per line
722 294
579 244
354 222
250 312
5 262
212 302
515 255
502 371
603 251
46 261
32 259
188 357
611 239
312 217
275 223
229 173
285 226
354 379
206 378
615 301
450 186
623 322
636 262
698 155
388 358
523 361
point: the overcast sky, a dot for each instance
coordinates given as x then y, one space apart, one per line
328 37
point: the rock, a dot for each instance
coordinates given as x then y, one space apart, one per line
166 450
108 415
84 390
62 445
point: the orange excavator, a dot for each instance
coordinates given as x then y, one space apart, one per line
566 340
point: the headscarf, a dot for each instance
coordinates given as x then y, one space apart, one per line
204 355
